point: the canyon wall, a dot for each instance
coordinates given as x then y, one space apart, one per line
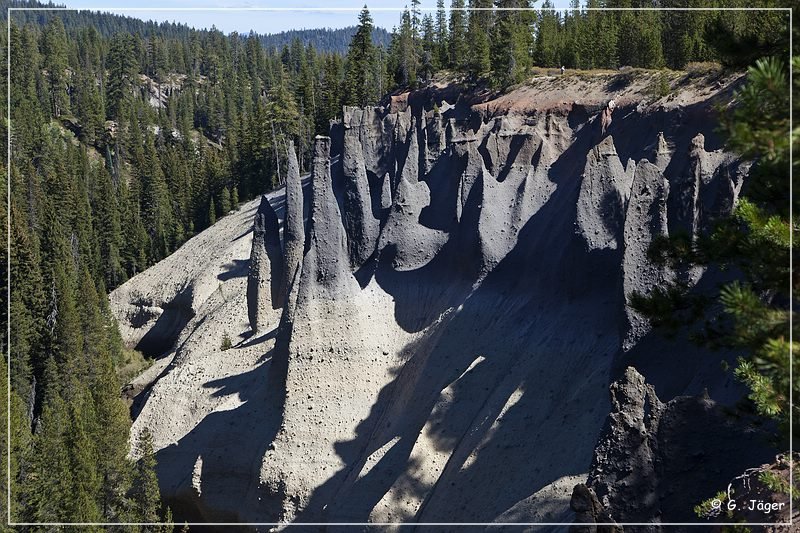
430 323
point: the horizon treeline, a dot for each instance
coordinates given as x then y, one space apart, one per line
500 40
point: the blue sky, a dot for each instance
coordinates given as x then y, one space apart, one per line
384 12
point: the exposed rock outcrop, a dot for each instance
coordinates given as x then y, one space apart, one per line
361 208
326 263
603 198
293 229
266 282
645 220
590 516
656 461
454 308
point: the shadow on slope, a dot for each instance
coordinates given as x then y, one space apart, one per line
499 352
215 449
175 315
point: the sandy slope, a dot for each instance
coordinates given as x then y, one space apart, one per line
154 307
213 397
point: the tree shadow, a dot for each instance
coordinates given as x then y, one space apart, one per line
215 450
175 315
238 268
250 341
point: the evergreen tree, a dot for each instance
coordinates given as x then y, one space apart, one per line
442 53
429 61
144 492
405 53
122 67
89 108
225 201
457 43
478 46
20 454
330 95
49 480
572 36
154 202
81 503
212 213
108 228
683 39
27 306
512 42
639 37
548 49
54 51
283 124
359 81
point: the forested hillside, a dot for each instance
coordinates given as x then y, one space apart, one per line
324 39
130 137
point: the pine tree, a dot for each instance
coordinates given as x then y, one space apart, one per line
82 505
429 61
548 50
144 491
27 306
108 228
49 480
212 213
639 37
330 95
457 43
89 108
283 123
62 324
478 46
54 48
572 36
122 67
442 54
405 51
154 201
20 454
225 201
359 81
134 236
683 37
111 437
512 42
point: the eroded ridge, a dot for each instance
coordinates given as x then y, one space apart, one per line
442 326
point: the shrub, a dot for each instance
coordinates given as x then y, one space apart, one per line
661 86
227 344
700 69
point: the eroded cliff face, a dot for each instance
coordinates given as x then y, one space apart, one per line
655 461
437 336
